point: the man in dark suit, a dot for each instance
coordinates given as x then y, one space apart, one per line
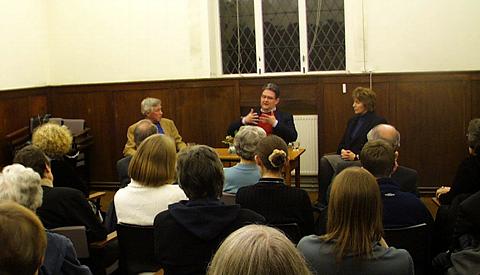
143 129
268 117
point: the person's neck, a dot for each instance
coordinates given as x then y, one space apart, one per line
245 161
272 174
268 111
46 182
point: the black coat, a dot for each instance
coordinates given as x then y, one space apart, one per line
355 144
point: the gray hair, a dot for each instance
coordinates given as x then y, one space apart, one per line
200 172
21 185
148 104
246 141
144 129
386 132
473 135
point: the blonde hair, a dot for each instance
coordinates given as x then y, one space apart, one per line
54 140
154 162
23 240
354 213
259 250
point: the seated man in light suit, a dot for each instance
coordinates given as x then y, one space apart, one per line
268 117
152 109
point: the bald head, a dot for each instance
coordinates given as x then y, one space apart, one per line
385 132
144 129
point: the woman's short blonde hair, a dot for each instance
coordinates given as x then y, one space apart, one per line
246 141
367 96
257 250
354 213
54 140
154 162
23 240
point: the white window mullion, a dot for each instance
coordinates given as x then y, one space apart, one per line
259 36
302 25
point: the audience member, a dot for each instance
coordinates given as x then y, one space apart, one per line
399 208
152 170
23 240
404 176
189 232
246 172
143 129
353 243
257 250
270 196
268 116
22 185
151 108
61 206
56 141
354 137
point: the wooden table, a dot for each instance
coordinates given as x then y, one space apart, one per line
292 164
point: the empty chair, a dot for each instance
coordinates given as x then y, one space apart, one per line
136 249
416 240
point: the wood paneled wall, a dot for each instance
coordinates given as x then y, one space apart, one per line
431 110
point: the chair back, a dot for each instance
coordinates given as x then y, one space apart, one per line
78 236
136 249
416 240
228 198
291 230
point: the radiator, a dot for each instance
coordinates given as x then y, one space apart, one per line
308 137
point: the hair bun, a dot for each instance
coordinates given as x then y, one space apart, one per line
277 158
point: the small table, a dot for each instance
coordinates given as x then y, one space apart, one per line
293 162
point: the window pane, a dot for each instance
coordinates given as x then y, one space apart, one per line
232 61
326 35
281 36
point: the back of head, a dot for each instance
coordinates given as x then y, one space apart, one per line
154 162
378 157
31 156
144 129
386 132
21 185
354 213
367 96
23 240
257 250
474 135
246 141
273 152
200 172
272 87
54 140
148 104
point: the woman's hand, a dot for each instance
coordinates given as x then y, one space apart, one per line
347 155
442 190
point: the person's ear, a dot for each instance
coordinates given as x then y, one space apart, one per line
258 161
396 155
48 172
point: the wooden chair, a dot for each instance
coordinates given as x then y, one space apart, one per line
416 240
228 198
136 249
18 139
78 236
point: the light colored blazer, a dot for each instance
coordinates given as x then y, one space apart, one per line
168 127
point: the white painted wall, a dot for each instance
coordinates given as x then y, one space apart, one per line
23 44
56 42
412 35
128 40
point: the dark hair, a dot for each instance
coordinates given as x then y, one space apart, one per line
144 129
367 96
272 87
31 156
200 172
378 157
273 152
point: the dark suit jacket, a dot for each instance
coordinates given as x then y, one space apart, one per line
284 129
407 179
468 219
122 171
356 143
